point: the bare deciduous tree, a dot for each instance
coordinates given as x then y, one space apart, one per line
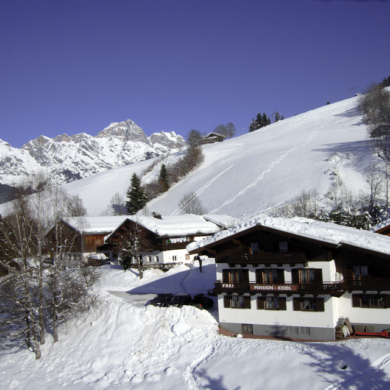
190 204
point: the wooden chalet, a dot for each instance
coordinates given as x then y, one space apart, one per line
74 240
212 138
162 240
297 278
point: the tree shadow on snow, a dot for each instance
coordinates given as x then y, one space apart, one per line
352 112
361 151
353 370
212 383
185 281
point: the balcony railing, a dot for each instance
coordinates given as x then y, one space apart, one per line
333 288
370 283
265 258
171 246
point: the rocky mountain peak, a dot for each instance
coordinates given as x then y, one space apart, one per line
125 131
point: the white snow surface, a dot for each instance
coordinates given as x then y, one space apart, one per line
125 344
326 232
178 225
257 171
97 225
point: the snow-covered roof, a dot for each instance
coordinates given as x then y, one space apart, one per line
381 225
222 220
306 228
91 225
214 135
179 225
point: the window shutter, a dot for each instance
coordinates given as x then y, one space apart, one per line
387 301
318 275
356 300
261 303
247 302
295 276
280 276
225 276
259 276
320 304
297 304
245 276
282 304
226 301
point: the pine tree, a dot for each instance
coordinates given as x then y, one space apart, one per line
163 178
137 197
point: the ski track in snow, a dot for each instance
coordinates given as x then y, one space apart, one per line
345 383
269 169
177 211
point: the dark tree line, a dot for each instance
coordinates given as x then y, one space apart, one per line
261 121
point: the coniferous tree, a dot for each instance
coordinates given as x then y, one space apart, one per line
163 178
137 197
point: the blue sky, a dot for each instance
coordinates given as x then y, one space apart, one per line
76 66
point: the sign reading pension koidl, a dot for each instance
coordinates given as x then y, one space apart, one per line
274 287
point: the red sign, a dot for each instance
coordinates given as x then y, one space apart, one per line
274 287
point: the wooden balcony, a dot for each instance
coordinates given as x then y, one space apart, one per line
369 284
332 288
171 246
265 258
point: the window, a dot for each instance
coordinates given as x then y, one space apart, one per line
247 329
271 275
309 304
174 258
156 259
299 330
237 302
188 257
360 272
283 246
272 303
149 259
235 275
375 301
306 276
255 248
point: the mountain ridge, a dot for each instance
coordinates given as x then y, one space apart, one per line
73 157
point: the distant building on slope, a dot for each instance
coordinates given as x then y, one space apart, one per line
296 278
212 138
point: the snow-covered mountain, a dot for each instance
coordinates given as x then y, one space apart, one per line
257 171
78 156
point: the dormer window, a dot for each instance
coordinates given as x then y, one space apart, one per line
255 248
283 246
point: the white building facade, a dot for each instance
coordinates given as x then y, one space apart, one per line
279 279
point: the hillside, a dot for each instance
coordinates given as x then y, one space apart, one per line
260 170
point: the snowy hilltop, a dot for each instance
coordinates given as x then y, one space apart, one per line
326 149
78 156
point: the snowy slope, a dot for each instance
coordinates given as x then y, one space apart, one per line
260 170
124 344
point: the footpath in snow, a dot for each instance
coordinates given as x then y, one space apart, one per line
126 344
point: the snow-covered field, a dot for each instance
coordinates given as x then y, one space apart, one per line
125 344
